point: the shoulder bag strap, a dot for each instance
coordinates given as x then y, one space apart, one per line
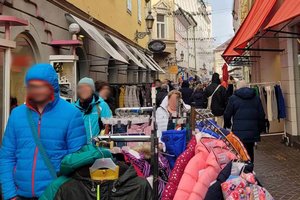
40 145
215 90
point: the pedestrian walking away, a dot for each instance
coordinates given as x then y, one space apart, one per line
217 98
186 92
245 111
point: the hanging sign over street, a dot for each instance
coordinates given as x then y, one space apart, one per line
157 46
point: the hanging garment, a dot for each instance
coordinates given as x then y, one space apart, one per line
178 170
280 102
122 97
197 163
262 95
271 103
256 89
215 191
244 187
148 95
85 156
238 146
127 96
216 161
128 186
175 142
135 101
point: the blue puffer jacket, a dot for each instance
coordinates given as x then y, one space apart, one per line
91 116
247 114
61 129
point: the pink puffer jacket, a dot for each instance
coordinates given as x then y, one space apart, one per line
178 170
199 162
214 164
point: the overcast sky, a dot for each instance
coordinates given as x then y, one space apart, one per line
222 20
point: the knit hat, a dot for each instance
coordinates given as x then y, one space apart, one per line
241 84
87 81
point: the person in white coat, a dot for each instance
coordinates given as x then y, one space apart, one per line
169 108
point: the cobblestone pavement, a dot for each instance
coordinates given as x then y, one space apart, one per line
278 168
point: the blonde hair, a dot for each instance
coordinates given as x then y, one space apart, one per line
176 92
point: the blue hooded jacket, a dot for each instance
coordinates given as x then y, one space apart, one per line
97 109
61 130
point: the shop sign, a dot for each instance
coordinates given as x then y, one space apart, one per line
157 46
173 69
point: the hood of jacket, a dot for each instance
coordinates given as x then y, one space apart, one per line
46 73
129 174
216 79
185 84
245 93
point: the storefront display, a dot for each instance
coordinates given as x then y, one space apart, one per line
66 69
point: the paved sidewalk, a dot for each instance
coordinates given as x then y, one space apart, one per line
278 168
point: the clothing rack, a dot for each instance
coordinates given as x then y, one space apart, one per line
265 83
285 138
141 138
204 115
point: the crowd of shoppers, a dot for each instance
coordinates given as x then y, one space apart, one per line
49 128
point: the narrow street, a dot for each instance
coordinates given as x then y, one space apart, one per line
278 169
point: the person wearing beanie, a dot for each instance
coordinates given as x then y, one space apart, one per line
92 108
45 128
245 110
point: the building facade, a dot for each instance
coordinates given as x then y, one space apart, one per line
185 25
203 35
278 62
102 44
164 30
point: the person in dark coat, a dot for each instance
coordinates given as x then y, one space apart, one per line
161 94
186 92
245 110
219 99
199 97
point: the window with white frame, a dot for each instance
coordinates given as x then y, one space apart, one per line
161 26
139 3
129 6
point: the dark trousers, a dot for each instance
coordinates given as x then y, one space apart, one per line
250 149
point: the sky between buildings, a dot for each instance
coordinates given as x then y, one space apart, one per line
222 20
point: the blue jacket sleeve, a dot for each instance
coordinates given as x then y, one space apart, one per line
76 136
105 110
228 113
8 161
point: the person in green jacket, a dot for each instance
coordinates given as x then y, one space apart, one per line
92 107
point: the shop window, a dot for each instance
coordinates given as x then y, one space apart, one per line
22 58
161 26
129 6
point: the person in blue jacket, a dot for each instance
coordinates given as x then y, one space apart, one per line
92 108
245 112
24 173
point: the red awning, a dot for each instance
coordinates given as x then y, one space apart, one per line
288 10
249 28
